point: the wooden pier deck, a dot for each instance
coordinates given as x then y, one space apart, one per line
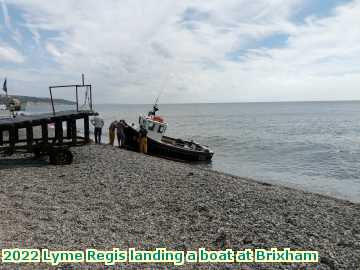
44 144
37 118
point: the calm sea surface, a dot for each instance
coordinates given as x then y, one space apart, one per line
314 146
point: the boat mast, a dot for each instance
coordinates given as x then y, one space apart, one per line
155 106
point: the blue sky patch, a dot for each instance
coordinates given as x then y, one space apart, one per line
316 8
193 14
36 56
277 40
191 18
16 29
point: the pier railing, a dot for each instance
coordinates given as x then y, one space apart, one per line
88 94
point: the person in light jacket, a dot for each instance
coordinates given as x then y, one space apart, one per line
98 124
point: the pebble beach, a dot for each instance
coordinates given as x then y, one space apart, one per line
111 197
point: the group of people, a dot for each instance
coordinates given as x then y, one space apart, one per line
117 128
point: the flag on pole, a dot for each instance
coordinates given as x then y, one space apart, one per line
5 86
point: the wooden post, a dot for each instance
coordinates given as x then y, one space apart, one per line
77 98
16 135
12 136
86 129
44 132
73 131
59 131
52 101
29 135
91 102
69 129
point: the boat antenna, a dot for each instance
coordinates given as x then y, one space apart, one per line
158 97
156 105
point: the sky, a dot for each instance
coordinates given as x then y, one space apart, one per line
189 51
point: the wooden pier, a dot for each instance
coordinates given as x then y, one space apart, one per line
49 134
43 144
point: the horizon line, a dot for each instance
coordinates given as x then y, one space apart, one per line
236 102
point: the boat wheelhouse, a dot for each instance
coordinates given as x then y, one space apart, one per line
154 125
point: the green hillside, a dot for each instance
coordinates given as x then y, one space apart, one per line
26 99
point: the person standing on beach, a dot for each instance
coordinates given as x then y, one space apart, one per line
143 140
120 133
112 128
98 124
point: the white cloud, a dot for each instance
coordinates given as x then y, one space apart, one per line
128 48
325 47
8 54
5 12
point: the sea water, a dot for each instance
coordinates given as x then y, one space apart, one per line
313 146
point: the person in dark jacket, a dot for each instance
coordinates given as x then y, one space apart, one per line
120 128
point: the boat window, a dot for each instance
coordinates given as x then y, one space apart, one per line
161 129
151 126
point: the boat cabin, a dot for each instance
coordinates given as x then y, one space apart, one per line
154 125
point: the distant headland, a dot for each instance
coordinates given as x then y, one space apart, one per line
28 99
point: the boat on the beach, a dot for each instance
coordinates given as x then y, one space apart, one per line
4 112
12 108
164 146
